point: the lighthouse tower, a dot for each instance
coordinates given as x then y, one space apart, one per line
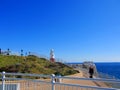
52 56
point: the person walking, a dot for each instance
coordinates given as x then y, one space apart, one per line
91 71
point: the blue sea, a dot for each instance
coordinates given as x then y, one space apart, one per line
108 69
111 69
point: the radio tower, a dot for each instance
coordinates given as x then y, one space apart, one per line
52 56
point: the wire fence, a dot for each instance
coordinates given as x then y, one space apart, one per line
19 81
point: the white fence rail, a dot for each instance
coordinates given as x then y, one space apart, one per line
19 81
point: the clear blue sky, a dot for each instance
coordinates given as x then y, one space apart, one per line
77 30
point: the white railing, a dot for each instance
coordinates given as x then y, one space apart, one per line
20 81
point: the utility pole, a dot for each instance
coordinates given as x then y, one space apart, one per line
8 51
0 51
21 52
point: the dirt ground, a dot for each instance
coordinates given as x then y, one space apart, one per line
84 82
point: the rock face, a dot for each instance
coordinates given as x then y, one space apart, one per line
85 67
87 64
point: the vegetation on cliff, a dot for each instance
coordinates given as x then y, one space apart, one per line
33 64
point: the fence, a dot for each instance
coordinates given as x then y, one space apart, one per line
19 81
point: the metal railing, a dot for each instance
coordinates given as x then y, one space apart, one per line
19 81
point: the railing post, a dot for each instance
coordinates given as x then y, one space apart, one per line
53 81
60 80
3 80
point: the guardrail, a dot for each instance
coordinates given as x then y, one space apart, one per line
20 81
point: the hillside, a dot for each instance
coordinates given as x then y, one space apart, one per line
33 64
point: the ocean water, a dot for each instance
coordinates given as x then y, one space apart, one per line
110 69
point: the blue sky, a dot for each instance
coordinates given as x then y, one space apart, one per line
77 30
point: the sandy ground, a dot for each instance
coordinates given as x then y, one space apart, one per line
84 82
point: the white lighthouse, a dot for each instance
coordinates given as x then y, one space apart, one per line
52 56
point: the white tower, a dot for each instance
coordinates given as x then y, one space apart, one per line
52 56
